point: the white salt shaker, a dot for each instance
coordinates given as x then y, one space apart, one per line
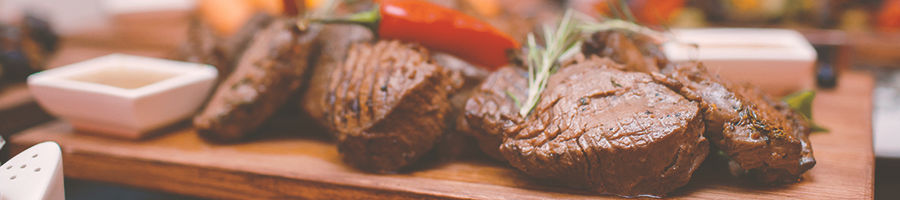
36 173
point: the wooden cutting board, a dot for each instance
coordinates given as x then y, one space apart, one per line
292 160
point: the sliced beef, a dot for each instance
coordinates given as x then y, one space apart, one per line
636 51
236 44
271 70
335 40
387 104
610 131
472 74
490 111
764 135
204 46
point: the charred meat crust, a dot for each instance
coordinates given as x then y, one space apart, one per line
611 132
490 111
636 51
387 104
265 77
336 41
764 135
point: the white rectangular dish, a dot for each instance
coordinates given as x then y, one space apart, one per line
779 61
122 95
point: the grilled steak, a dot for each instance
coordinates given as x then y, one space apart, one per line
490 111
204 46
764 135
611 132
336 41
387 103
238 43
636 51
269 71
471 73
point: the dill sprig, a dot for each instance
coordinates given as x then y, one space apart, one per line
543 62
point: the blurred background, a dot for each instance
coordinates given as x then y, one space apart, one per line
847 35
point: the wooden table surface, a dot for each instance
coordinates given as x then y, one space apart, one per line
290 160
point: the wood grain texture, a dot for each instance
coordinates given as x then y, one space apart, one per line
18 110
291 160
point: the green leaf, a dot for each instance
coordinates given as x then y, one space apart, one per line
817 128
802 103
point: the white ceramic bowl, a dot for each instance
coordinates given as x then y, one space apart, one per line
780 61
122 95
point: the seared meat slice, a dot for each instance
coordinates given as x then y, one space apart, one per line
335 40
271 69
610 131
238 43
636 51
387 103
490 111
471 73
764 135
204 46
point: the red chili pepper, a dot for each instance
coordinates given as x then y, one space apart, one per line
437 28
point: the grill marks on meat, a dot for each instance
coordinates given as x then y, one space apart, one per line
490 111
764 135
611 132
336 40
387 104
636 51
270 70
491 114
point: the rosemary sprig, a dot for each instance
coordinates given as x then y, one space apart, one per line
542 62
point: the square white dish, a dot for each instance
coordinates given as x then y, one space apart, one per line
121 95
779 61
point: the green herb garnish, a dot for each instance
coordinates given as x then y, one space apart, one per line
515 99
802 103
543 62
614 83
